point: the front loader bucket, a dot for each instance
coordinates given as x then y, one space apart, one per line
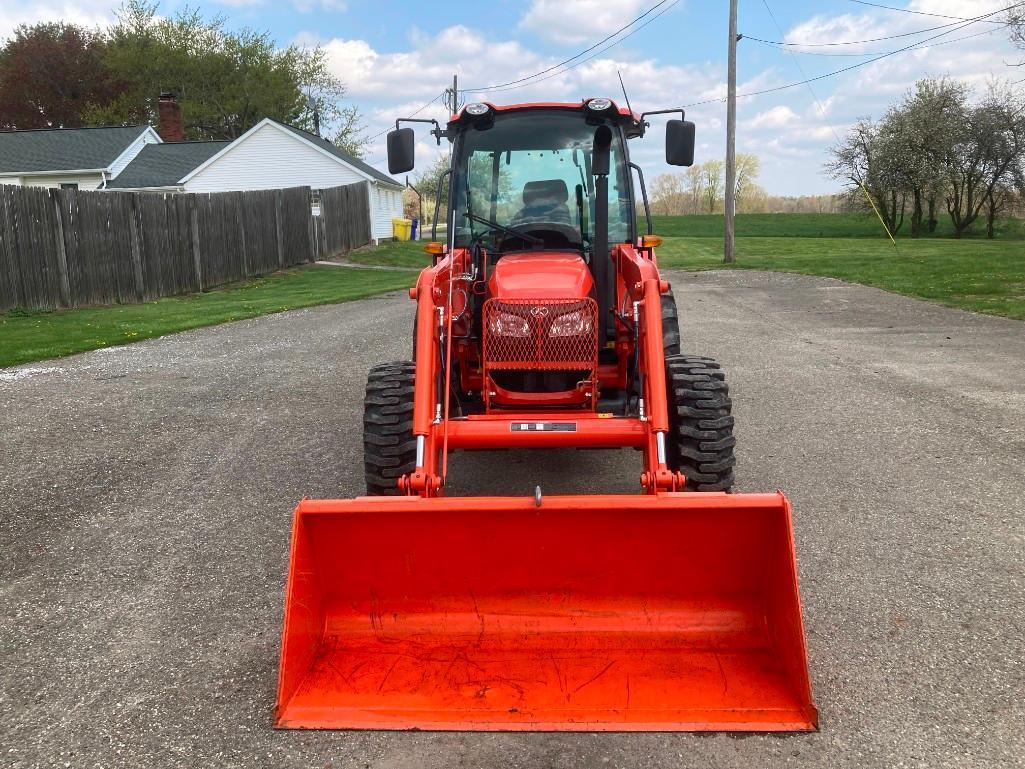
667 613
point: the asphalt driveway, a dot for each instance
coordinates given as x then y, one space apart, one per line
146 494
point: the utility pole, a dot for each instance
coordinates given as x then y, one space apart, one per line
729 257
453 92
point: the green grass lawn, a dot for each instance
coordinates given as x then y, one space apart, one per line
974 274
26 337
814 226
980 275
408 254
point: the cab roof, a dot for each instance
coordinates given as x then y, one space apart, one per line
631 120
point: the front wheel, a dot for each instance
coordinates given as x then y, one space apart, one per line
700 442
670 325
389 448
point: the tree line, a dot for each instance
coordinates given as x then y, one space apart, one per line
61 75
939 150
701 189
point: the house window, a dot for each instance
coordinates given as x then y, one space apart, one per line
315 199
69 186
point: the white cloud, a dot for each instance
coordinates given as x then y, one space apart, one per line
87 13
419 73
578 21
779 116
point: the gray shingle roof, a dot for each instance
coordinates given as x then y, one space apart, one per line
64 149
343 155
162 165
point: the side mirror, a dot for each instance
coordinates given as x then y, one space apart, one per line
401 143
680 137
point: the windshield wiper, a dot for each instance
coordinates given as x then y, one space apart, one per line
510 230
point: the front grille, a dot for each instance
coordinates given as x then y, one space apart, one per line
552 335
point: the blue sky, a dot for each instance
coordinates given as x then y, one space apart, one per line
395 55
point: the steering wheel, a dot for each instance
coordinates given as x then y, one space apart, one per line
538 229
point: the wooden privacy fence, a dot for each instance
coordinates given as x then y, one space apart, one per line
66 248
349 226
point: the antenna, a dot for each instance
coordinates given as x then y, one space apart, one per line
623 86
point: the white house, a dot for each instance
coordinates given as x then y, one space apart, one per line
271 155
82 158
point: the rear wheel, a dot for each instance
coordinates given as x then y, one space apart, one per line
389 448
670 325
701 438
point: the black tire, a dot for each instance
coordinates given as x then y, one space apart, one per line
670 325
701 438
389 448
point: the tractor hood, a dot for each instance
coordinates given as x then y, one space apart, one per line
540 275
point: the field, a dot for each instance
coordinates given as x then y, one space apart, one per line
815 226
973 273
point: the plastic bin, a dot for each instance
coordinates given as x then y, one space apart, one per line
401 228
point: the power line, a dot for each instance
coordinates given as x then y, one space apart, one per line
786 44
594 55
413 114
825 118
571 58
588 58
860 64
792 52
917 13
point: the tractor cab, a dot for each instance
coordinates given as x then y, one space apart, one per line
540 197
524 181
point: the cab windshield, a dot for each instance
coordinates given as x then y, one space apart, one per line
530 173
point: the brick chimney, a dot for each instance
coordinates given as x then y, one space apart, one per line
169 112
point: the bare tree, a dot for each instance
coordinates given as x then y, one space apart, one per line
712 179
695 188
748 169
1015 20
668 195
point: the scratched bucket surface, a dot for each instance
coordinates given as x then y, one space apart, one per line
668 613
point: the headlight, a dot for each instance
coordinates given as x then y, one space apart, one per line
507 324
599 105
477 109
571 324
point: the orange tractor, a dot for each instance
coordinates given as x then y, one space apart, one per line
544 323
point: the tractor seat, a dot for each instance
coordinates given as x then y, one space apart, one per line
544 201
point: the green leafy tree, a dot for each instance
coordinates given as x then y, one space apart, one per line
917 138
427 182
988 154
864 160
226 81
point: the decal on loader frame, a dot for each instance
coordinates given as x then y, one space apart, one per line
543 427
